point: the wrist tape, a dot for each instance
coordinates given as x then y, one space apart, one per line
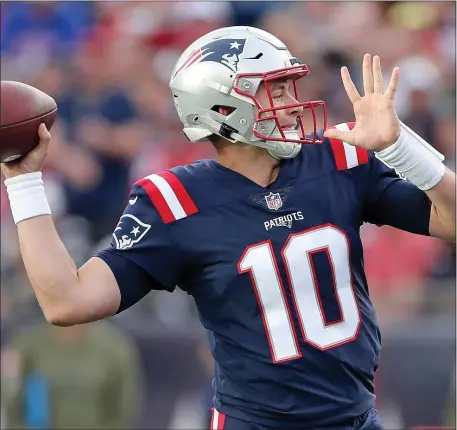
27 196
414 158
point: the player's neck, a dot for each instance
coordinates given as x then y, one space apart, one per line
253 162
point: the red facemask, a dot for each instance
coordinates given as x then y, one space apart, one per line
270 113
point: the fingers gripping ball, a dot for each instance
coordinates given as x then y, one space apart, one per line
23 109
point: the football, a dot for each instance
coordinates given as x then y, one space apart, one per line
23 109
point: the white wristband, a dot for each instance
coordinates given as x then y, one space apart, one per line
415 159
27 196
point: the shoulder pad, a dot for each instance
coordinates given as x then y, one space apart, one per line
168 195
347 156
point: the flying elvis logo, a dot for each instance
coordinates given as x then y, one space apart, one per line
129 230
223 51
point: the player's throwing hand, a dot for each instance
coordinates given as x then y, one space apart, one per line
377 125
33 161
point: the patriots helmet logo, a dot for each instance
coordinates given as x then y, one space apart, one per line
129 230
223 51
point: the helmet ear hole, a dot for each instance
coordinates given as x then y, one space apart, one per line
223 110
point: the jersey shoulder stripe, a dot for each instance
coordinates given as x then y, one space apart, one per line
168 195
347 156
217 420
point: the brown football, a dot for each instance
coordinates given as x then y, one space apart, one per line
22 109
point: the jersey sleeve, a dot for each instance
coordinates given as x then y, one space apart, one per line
392 200
142 254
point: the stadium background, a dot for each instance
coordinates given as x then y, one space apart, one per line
107 65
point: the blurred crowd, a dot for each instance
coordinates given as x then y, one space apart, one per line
107 64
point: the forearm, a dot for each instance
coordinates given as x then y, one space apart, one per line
423 165
442 196
67 295
50 268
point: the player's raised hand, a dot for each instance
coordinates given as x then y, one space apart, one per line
33 161
377 125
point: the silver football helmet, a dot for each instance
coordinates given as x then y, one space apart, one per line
225 68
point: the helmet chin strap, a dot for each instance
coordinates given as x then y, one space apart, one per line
284 149
277 149
281 149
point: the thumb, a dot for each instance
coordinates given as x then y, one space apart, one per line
44 134
45 138
345 136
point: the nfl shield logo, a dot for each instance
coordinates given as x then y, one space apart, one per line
274 201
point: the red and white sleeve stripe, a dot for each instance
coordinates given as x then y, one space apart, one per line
217 420
168 195
346 155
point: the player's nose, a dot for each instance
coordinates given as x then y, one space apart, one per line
294 110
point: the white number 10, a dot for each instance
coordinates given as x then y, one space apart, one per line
260 262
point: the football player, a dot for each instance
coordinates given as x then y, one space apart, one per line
265 238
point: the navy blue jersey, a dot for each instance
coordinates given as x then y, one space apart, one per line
276 274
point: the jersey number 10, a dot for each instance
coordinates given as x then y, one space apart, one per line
259 260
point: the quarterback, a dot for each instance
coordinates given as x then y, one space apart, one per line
265 238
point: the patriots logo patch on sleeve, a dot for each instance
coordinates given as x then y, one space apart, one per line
223 51
129 231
